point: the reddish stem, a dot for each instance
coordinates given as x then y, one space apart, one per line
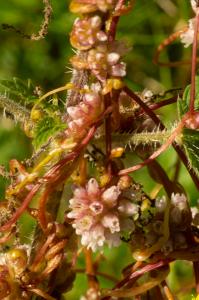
135 275
194 64
144 106
90 271
114 22
163 103
42 209
108 130
21 209
41 252
196 272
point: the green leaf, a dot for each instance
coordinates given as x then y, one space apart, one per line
190 139
45 129
183 104
18 90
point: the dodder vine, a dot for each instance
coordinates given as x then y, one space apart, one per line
82 147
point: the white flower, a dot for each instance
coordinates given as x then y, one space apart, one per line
127 208
111 195
99 216
91 294
161 204
111 221
179 200
188 36
194 4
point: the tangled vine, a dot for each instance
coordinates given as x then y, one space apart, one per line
77 186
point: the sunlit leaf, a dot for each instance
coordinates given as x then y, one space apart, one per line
18 90
45 129
183 104
190 139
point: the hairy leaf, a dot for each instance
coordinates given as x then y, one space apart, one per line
45 129
18 90
190 139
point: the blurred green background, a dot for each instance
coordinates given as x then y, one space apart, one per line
46 63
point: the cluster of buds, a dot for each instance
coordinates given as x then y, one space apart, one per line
84 114
152 219
12 266
103 57
101 216
103 61
87 32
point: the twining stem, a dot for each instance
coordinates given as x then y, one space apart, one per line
21 209
194 64
166 43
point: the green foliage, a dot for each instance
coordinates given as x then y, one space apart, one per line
183 104
190 139
46 128
21 91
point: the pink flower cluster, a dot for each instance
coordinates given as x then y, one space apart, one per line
84 114
87 32
103 60
101 215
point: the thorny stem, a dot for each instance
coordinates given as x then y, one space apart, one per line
157 121
170 140
194 63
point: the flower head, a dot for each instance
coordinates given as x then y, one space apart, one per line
87 32
195 5
188 36
100 215
81 116
103 60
